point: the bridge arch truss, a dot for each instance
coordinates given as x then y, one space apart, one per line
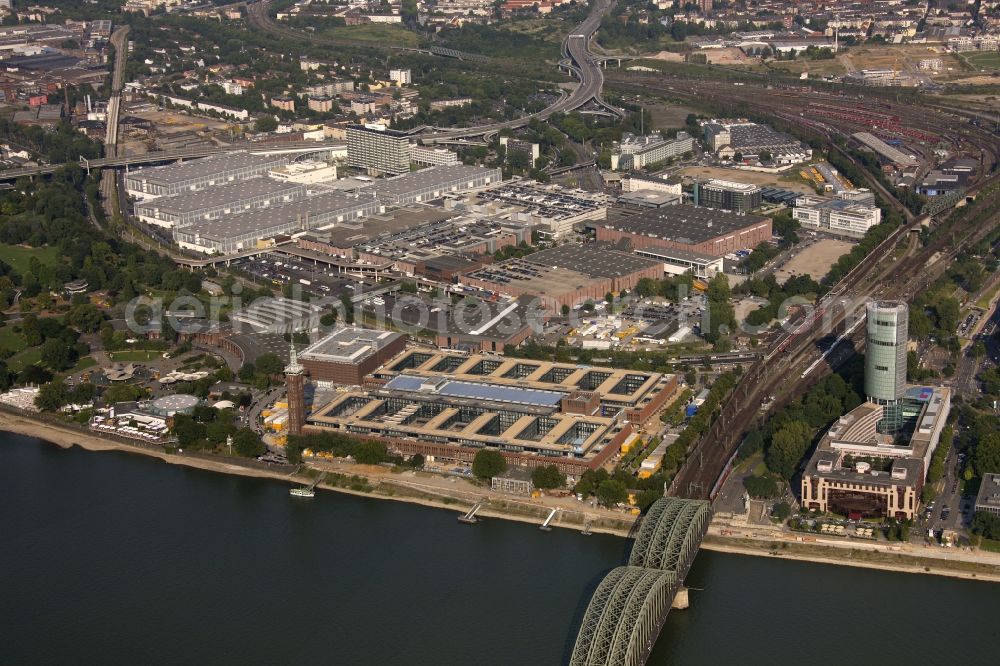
628 608
624 617
670 534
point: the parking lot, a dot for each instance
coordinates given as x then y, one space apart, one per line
280 270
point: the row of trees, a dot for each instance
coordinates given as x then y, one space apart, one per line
787 435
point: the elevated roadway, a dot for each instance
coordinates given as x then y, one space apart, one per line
575 51
159 156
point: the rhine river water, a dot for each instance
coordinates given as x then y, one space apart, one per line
109 558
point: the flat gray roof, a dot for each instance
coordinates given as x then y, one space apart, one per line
684 255
221 195
204 167
595 260
349 344
284 214
426 179
392 222
683 223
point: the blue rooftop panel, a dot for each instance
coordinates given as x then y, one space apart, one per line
476 391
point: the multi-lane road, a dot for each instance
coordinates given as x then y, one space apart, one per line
575 50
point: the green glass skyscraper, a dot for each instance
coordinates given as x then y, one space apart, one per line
885 356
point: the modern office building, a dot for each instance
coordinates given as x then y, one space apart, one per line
842 216
377 149
885 353
860 471
430 156
727 195
873 461
199 174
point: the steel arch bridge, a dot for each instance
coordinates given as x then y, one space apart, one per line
624 617
670 534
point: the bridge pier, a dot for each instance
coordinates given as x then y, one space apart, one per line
681 600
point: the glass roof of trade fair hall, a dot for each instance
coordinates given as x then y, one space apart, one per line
475 391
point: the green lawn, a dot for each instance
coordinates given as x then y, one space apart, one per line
24 358
136 355
82 364
983 59
390 35
984 300
10 340
20 257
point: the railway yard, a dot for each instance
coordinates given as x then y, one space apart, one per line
900 267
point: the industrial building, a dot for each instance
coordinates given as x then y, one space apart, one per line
554 207
181 210
418 250
727 195
750 140
377 149
349 241
637 152
434 183
566 274
678 262
879 77
840 216
233 234
885 151
649 199
471 326
685 227
198 174
450 405
348 354
874 460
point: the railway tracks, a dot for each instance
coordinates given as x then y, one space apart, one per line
781 373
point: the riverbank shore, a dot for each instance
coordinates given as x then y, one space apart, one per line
972 565
951 564
384 485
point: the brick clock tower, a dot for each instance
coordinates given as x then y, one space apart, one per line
295 384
